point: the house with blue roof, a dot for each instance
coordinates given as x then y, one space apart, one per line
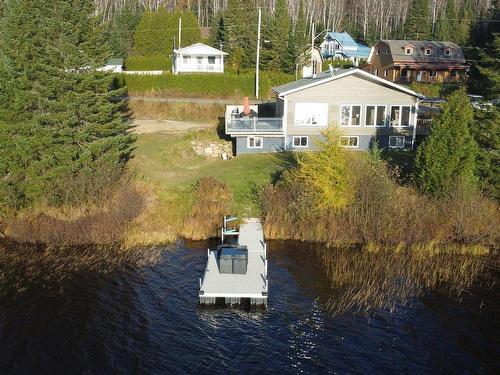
343 46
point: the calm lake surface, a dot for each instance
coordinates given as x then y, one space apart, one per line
147 321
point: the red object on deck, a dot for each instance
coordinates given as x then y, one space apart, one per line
246 106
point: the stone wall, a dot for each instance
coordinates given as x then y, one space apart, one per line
213 149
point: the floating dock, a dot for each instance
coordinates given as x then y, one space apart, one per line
218 286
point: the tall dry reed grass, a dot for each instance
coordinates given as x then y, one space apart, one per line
212 201
366 282
103 222
208 113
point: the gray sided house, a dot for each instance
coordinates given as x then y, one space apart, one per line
365 109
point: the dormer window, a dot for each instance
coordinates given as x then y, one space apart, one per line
378 51
448 52
408 51
387 51
428 51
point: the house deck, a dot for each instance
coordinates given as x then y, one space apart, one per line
216 287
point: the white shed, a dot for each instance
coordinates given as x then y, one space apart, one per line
198 58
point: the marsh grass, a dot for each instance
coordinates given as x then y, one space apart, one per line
212 201
367 281
103 221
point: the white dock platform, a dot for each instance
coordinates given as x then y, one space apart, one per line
230 289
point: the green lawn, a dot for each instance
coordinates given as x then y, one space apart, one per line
169 163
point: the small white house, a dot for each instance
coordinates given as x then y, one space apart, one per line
198 58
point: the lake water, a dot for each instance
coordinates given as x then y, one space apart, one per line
147 321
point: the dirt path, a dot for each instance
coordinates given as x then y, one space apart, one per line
166 126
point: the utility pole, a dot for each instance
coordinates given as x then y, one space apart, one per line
180 29
313 67
257 63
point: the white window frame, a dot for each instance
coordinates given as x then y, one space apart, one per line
319 106
254 138
186 60
396 137
385 72
349 136
199 60
378 51
350 115
448 52
376 72
374 125
408 51
433 73
299 137
400 116
428 51
211 60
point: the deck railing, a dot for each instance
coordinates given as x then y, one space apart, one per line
255 125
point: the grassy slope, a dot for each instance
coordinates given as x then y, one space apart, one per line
168 162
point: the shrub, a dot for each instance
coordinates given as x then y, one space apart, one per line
212 202
149 62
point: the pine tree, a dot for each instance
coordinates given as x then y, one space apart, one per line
448 156
297 43
62 132
486 131
240 22
217 37
277 33
418 23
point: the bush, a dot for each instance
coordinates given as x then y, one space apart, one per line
212 202
228 84
149 62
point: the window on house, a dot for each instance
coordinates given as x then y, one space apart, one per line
400 115
375 115
433 74
428 51
255 142
300 141
447 52
385 72
396 141
199 60
211 60
454 73
349 141
186 59
376 72
387 51
378 51
350 115
408 51
311 114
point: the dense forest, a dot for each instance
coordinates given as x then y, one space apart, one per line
367 19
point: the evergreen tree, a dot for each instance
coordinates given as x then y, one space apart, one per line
63 137
240 20
217 37
418 23
486 131
277 34
446 24
157 31
120 31
448 156
297 43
